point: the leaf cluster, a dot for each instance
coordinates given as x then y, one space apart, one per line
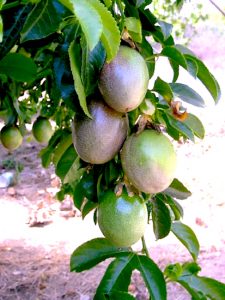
51 55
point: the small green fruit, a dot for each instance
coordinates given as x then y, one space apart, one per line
11 137
149 161
122 219
42 130
124 81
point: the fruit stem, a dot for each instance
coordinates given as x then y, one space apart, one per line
144 247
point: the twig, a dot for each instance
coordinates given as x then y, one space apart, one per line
217 7
144 247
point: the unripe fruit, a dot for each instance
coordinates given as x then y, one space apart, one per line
122 219
11 137
42 130
99 139
149 161
124 81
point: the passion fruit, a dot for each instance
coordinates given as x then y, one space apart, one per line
11 137
122 219
42 130
99 139
149 161
124 81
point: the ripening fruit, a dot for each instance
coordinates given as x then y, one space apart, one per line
122 219
99 139
149 161
42 130
11 137
124 81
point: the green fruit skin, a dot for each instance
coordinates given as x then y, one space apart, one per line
11 137
124 81
149 161
99 139
122 219
42 130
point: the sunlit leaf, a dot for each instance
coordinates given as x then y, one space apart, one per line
134 28
110 37
89 20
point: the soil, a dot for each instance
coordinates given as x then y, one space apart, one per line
38 233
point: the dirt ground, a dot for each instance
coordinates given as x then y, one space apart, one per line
37 234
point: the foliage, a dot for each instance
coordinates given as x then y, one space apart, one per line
183 17
51 55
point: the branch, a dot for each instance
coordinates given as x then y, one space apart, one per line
217 7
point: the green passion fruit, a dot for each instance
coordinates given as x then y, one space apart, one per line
122 219
11 137
42 130
99 139
124 81
149 161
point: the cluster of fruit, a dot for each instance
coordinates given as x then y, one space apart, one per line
12 138
148 158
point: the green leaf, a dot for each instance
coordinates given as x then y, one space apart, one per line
161 218
195 125
174 54
163 88
206 77
85 188
110 37
173 271
143 3
166 28
187 94
209 287
43 20
62 146
92 62
74 55
147 52
92 253
175 66
192 67
177 190
179 126
67 3
174 205
108 3
47 153
187 237
1 29
89 20
18 67
152 276
12 27
133 26
117 277
87 208
68 165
